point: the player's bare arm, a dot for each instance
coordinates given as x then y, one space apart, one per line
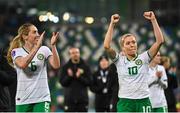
108 38
54 60
157 32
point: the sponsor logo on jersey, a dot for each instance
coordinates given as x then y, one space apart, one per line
138 62
40 56
13 53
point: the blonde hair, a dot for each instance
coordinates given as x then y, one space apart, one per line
166 61
18 41
122 38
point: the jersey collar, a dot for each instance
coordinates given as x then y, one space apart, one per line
25 50
133 58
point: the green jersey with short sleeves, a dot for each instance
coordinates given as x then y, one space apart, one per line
133 76
32 83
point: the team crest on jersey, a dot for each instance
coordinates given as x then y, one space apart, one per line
138 62
40 56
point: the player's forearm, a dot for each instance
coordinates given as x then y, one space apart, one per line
23 62
159 39
108 37
157 32
55 62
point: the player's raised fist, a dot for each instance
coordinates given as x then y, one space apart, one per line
115 18
149 15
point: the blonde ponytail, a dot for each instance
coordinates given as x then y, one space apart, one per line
15 43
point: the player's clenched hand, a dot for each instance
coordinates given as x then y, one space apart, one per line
149 15
115 18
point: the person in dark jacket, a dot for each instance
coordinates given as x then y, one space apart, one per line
172 84
114 88
105 86
75 77
7 78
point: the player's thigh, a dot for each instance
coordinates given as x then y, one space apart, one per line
125 105
160 109
24 108
143 105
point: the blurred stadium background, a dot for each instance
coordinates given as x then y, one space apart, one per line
83 23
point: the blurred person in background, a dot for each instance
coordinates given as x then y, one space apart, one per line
178 72
53 81
133 67
157 84
172 84
7 79
104 83
75 77
178 64
13 86
29 58
114 88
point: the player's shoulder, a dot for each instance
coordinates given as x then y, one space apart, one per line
17 49
43 48
143 53
160 67
17 52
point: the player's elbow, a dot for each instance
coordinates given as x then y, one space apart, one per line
162 41
106 47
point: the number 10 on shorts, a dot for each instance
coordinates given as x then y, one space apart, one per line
146 109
